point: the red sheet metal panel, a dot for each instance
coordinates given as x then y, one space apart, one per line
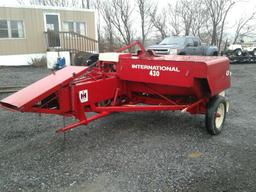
177 71
36 91
164 72
219 75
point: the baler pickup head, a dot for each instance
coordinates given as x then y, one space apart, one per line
38 93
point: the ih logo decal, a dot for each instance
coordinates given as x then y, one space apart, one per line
83 96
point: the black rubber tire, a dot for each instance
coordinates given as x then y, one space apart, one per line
254 52
215 54
238 52
81 57
210 116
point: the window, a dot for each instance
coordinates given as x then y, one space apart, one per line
78 27
11 29
196 42
69 26
190 42
17 30
3 29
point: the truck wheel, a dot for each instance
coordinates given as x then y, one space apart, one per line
215 53
254 52
215 115
238 52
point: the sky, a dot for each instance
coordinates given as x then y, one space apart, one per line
242 8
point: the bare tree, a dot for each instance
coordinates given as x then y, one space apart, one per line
223 22
39 2
107 13
159 21
200 20
145 6
218 10
97 4
86 4
122 20
245 27
186 12
188 17
116 22
174 18
21 2
60 3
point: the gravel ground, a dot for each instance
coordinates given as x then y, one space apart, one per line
140 151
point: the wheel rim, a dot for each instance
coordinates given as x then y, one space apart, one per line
254 52
220 114
239 52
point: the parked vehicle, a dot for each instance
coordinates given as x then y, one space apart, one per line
251 49
239 50
92 59
241 53
185 45
83 58
235 49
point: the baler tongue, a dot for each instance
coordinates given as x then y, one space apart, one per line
29 96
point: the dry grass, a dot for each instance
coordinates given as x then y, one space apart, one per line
38 62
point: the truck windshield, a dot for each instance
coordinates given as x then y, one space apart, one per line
173 41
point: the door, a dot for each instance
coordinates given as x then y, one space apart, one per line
189 47
198 48
52 26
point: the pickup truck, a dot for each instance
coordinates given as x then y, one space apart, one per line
186 45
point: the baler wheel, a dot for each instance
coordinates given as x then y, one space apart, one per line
216 114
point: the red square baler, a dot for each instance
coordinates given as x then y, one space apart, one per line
122 82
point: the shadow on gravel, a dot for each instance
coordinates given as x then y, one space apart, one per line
141 124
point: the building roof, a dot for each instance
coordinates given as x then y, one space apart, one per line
47 8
